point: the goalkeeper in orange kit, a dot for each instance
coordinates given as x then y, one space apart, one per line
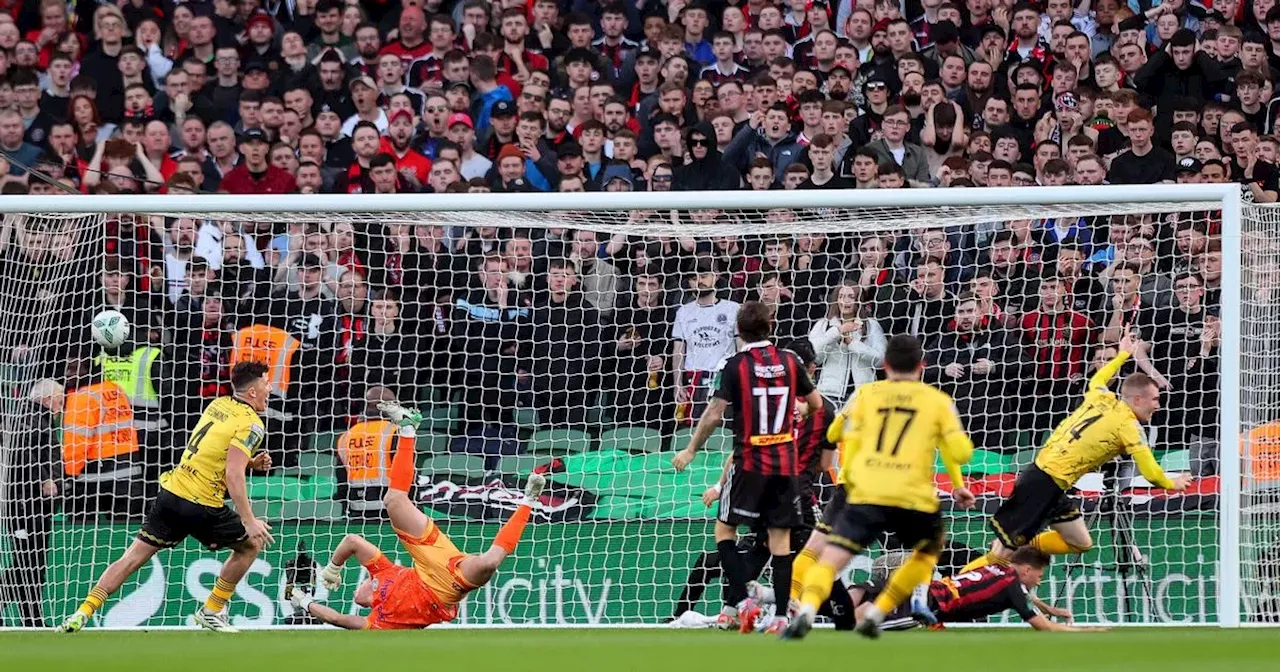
429 592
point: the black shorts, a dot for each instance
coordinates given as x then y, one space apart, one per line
831 514
756 500
172 519
1036 503
861 525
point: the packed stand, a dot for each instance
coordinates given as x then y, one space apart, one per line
508 332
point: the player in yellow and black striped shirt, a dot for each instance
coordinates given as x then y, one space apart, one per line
226 441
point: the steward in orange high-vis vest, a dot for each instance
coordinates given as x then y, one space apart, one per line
99 451
364 453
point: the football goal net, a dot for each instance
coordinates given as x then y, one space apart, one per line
578 335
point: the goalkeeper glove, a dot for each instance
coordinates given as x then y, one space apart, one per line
300 599
331 576
404 417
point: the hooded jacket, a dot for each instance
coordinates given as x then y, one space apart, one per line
711 173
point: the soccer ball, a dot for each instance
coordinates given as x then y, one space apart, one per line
110 328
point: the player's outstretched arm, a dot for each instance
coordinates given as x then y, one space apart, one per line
1151 471
303 601
1128 344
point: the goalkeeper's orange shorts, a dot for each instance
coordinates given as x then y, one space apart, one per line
437 562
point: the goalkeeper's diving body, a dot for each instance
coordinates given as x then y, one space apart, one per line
891 432
1103 427
429 592
191 501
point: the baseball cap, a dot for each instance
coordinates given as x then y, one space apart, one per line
400 113
460 118
254 135
569 149
1066 101
881 26
363 79
251 66
457 85
841 66
617 171
1189 165
310 260
260 17
647 52
503 108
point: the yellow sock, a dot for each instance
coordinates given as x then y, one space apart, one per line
983 561
916 570
799 568
93 601
817 585
222 590
1052 543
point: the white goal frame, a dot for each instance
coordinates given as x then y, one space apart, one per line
1226 197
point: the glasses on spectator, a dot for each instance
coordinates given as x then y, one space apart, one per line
437 108
877 86
529 96
895 122
661 178
1023 180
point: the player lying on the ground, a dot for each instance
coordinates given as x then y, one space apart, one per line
192 500
1101 428
975 596
429 592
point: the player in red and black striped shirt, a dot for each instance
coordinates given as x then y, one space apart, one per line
762 382
977 595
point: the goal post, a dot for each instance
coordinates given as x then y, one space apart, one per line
586 390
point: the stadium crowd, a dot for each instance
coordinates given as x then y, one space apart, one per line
477 96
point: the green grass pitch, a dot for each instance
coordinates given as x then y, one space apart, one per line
1127 650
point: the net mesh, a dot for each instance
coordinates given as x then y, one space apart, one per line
580 344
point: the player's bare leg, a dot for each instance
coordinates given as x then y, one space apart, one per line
212 615
138 554
1068 538
478 569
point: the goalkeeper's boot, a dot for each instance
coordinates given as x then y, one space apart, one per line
801 624
533 488
748 612
74 624
216 622
401 416
727 620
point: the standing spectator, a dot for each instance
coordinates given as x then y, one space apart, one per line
32 488
918 307
565 348
1056 339
599 277
894 147
704 332
849 348
255 175
1143 163
975 362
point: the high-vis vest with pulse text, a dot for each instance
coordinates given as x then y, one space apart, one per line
271 346
133 375
365 450
97 424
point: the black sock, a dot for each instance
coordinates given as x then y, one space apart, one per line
781 583
705 570
735 582
839 607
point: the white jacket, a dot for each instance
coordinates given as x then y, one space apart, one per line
857 360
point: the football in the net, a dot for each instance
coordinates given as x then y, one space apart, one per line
110 328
